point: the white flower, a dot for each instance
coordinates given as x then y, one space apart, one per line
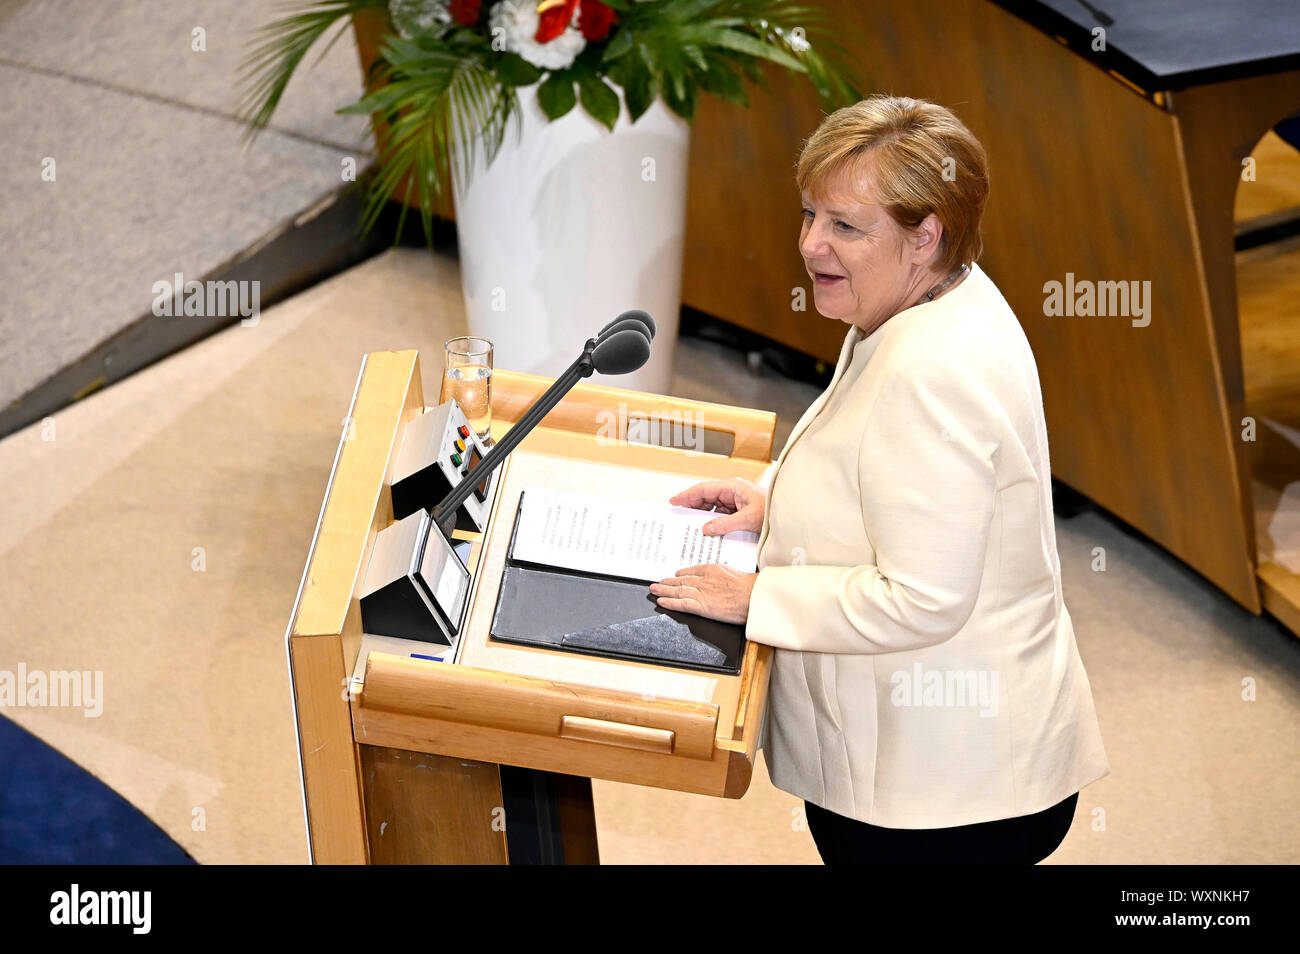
420 17
515 21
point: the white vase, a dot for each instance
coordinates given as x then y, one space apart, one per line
569 226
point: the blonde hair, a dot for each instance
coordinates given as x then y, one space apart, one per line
920 158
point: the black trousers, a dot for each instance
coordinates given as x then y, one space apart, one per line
1024 840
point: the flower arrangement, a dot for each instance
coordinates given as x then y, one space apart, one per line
447 73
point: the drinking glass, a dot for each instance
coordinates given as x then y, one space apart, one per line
467 377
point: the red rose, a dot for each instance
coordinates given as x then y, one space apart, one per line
465 12
596 20
553 18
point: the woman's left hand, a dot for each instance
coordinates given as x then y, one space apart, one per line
710 590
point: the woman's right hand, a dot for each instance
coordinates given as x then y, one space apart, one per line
741 503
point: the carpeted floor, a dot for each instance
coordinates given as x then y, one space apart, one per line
156 532
52 811
122 162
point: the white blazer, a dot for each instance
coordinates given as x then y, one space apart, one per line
926 673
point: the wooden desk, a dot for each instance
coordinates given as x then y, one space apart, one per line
424 762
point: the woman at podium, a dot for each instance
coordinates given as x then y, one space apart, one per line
927 698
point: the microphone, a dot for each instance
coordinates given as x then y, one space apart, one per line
637 315
622 346
635 320
624 350
623 324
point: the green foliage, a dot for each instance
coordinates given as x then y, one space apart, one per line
438 107
598 98
441 97
513 70
280 48
555 95
713 45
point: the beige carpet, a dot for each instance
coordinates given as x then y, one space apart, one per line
157 531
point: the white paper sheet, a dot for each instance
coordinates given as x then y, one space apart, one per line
636 539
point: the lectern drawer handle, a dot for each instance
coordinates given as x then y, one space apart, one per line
508 702
617 733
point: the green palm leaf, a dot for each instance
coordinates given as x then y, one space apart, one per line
440 108
279 50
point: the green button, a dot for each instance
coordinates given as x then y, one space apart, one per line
455 459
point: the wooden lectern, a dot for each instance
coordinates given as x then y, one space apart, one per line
413 761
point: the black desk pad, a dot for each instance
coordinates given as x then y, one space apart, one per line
1173 44
606 616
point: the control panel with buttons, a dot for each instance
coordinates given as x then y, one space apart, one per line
439 450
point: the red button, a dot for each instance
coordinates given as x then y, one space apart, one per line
463 431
